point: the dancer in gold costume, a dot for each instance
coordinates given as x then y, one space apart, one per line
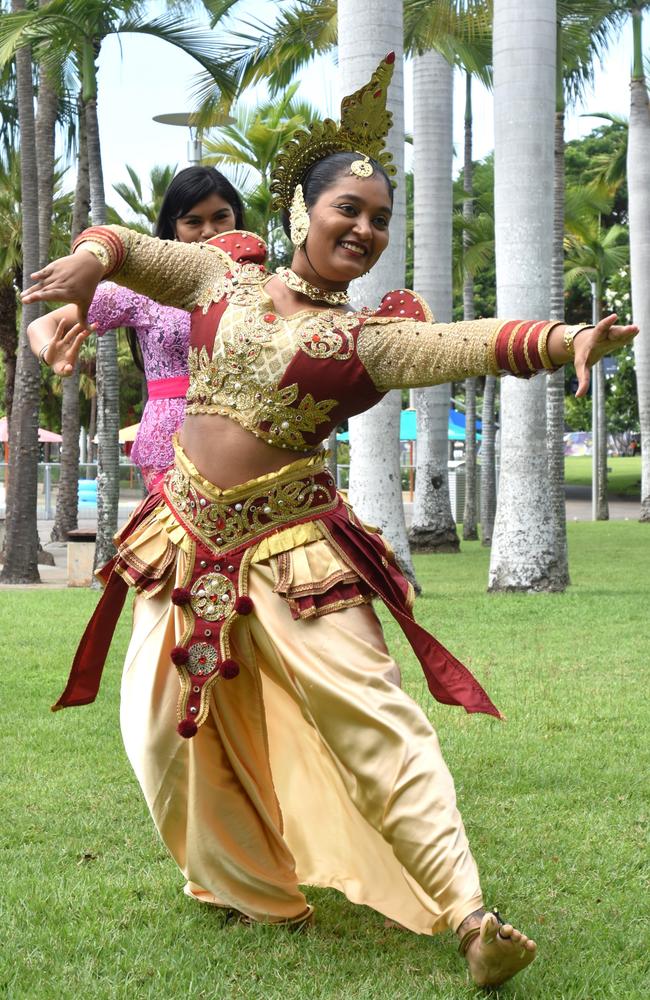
292 756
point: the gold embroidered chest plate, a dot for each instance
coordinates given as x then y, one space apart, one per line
252 350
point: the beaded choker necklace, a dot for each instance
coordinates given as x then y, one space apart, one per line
298 284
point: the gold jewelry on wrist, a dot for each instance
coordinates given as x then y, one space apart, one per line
41 354
511 352
570 334
99 251
531 366
543 342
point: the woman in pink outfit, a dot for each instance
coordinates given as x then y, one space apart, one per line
199 203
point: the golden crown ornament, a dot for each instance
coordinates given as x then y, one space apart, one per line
298 218
365 123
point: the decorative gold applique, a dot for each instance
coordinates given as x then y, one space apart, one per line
222 525
202 658
328 334
290 423
213 597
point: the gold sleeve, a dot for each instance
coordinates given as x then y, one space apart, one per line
184 275
407 354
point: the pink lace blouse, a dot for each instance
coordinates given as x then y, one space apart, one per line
163 334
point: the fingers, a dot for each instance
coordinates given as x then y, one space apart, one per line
623 334
584 377
607 321
44 293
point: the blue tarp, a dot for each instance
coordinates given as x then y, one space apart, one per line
455 427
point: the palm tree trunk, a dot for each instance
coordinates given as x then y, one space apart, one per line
8 341
21 548
488 461
47 112
470 512
108 397
433 528
375 478
48 108
555 382
638 180
524 550
67 502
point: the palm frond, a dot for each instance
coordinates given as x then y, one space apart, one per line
275 53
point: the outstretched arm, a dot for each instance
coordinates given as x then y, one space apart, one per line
176 274
409 353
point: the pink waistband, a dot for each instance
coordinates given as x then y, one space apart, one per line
168 388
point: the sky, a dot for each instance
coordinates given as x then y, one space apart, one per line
140 77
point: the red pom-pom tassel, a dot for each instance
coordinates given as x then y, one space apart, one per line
186 728
390 58
243 605
179 655
181 595
228 670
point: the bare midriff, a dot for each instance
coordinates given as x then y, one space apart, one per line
226 454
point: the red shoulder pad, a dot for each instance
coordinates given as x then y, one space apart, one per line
241 246
404 304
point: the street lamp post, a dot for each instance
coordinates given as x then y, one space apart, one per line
595 402
189 120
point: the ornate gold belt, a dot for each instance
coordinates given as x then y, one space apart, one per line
222 520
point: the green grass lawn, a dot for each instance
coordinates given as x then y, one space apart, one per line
624 478
555 802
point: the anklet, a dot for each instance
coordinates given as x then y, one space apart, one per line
467 939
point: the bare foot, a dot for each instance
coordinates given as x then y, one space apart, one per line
498 952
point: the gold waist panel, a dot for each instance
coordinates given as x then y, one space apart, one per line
223 520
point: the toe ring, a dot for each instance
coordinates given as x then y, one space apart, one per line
500 922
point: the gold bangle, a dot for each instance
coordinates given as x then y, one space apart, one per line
511 351
531 366
542 342
570 334
99 251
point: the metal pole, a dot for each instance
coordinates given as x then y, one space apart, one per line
194 152
47 487
595 437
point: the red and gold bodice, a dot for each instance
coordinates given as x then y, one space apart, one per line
291 379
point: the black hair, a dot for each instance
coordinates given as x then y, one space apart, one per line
190 186
323 175
187 189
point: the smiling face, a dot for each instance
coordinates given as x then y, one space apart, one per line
204 220
348 230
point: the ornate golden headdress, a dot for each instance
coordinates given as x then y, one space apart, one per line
365 123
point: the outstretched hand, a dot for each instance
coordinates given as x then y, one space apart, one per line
594 343
63 350
68 279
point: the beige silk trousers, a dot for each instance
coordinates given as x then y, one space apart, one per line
313 768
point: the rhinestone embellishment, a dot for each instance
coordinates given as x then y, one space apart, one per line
213 596
203 659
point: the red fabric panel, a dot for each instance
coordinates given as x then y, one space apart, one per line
346 381
448 680
88 664
241 245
